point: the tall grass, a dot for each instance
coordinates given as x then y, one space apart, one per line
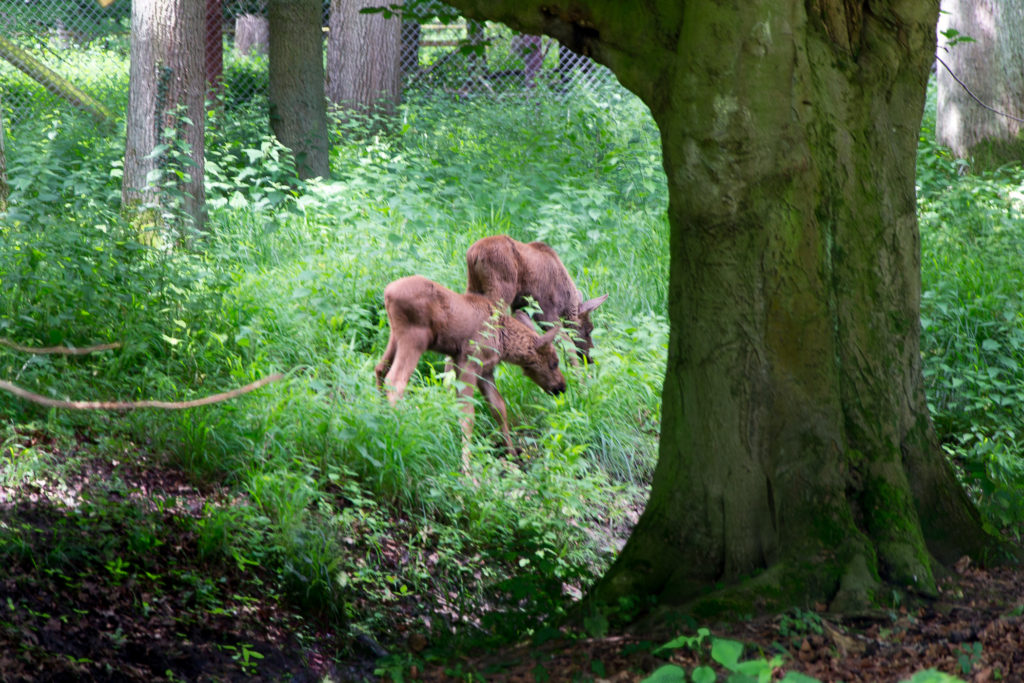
334 483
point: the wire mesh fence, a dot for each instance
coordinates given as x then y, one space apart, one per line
59 53
56 53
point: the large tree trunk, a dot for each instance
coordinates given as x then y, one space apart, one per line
363 51
165 106
991 67
797 458
298 110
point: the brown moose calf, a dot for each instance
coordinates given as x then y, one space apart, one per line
505 269
424 315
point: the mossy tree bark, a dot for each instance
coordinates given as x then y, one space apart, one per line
298 108
990 67
797 463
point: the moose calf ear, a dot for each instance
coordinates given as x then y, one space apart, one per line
591 304
547 338
521 316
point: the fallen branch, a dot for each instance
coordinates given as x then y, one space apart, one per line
133 405
52 81
65 350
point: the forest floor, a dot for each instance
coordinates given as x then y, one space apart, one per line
100 580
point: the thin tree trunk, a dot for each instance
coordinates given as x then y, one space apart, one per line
165 106
5 189
298 110
531 49
797 458
214 48
363 53
991 66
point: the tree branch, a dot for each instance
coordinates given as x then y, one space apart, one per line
133 405
973 96
65 350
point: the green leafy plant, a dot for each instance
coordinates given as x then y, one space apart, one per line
726 653
968 654
972 323
797 623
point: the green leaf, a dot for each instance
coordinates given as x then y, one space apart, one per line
797 677
670 673
703 674
726 652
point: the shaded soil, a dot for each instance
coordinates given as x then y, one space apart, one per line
103 578
974 631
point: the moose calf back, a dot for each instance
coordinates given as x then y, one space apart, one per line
505 269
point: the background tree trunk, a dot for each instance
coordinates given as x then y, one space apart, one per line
252 32
166 93
797 458
5 189
363 51
298 111
991 67
409 61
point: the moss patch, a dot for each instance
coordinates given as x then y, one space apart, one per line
892 522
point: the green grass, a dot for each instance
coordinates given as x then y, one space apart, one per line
360 509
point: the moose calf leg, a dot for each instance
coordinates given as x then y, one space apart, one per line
385 362
468 415
410 345
497 403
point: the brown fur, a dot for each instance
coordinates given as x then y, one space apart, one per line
505 269
424 315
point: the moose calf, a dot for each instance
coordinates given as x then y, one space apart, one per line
505 269
425 315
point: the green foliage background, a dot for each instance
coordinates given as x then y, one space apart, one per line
333 485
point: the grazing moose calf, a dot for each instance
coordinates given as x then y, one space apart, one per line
502 268
425 315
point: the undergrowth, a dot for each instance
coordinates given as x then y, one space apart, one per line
972 323
362 511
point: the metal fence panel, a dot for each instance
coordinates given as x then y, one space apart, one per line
59 53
